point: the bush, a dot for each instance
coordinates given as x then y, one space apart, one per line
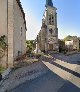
3 44
1 52
1 69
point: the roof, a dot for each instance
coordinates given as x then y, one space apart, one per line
19 3
49 3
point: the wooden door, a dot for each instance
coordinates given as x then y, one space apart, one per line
50 47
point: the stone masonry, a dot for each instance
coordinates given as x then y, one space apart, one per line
13 26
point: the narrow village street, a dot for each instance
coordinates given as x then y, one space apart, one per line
48 82
55 80
48 75
64 78
39 46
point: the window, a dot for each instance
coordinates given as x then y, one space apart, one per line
21 31
51 31
51 19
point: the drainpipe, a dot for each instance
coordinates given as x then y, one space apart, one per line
7 36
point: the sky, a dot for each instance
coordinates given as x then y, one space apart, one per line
68 18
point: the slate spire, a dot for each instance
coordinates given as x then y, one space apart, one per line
49 3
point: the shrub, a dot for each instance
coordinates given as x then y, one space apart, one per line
3 44
1 52
1 69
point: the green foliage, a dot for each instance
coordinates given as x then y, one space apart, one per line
3 44
62 47
2 69
30 45
1 52
68 38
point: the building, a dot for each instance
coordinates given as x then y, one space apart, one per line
13 26
72 43
48 36
79 43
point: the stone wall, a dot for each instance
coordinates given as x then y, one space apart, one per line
49 33
12 25
3 29
3 17
19 31
10 33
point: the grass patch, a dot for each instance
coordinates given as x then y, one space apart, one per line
2 69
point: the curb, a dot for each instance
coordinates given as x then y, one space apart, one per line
5 75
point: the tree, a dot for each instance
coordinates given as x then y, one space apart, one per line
30 45
62 47
68 38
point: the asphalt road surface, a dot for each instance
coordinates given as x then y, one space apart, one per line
73 59
48 82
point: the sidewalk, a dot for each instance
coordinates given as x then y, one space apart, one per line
21 75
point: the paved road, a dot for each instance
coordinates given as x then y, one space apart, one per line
73 59
48 82
60 76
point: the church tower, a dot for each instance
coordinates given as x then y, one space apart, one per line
50 20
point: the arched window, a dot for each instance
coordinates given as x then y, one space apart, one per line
51 31
51 19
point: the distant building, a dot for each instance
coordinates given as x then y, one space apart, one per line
79 42
13 26
72 43
47 39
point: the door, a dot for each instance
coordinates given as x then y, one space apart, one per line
50 47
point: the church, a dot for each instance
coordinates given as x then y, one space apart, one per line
13 26
47 39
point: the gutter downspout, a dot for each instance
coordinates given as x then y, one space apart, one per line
7 36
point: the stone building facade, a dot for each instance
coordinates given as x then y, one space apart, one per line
48 35
13 26
72 43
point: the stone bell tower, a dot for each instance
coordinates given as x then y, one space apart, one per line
50 19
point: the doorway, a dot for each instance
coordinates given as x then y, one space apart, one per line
50 47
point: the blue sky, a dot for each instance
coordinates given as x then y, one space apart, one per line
68 16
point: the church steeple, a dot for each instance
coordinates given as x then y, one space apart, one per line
49 3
